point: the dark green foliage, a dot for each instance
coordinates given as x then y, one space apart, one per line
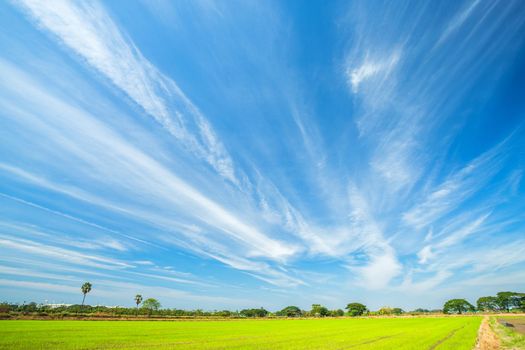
319 311
138 299
420 310
151 305
397 311
290 311
487 304
356 309
261 312
337 313
504 301
457 306
509 300
86 288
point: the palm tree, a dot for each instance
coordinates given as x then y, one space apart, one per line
138 300
86 288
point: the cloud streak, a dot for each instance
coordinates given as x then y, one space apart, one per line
221 152
86 29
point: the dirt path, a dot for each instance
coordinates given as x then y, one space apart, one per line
487 339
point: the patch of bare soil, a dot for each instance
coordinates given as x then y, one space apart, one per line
516 324
487 339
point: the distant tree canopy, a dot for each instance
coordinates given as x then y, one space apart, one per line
86 288
502 302
290 311
386 310
420 310
457 306
337 313
319 311
138 299
151 304
261 312
397 311
356 309
487 304
509 300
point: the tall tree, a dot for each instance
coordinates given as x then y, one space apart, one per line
291 311
457 306
151 305
508 300
487 303
86 288
356 309
261 312
319 310
138 300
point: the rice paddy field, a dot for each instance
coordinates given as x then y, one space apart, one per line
363 333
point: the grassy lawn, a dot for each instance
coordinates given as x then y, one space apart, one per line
389 333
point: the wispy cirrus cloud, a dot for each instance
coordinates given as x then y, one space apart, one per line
143 174
456 188
213 155
87 30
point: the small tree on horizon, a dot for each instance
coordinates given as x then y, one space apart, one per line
319 311
457 306
86 288
291 311
151 305
138 300
356 309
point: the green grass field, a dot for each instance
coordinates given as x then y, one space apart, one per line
388 333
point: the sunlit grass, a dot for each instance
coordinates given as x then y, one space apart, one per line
388 333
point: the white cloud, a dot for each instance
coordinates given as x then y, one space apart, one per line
87 30
458 20
62 254
423 285
370 68
129 172
425 254
456 188
382 264
462 233
379 271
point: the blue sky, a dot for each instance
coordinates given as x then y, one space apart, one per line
258 153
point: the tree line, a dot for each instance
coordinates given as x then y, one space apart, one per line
502 302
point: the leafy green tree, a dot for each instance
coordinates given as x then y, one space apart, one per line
356 309
397 311
151 305
5 307
254 312
487 303
509 300
337 313
420 310
138 300
291 311
319 311
457 306
385 310
223 313
86 288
